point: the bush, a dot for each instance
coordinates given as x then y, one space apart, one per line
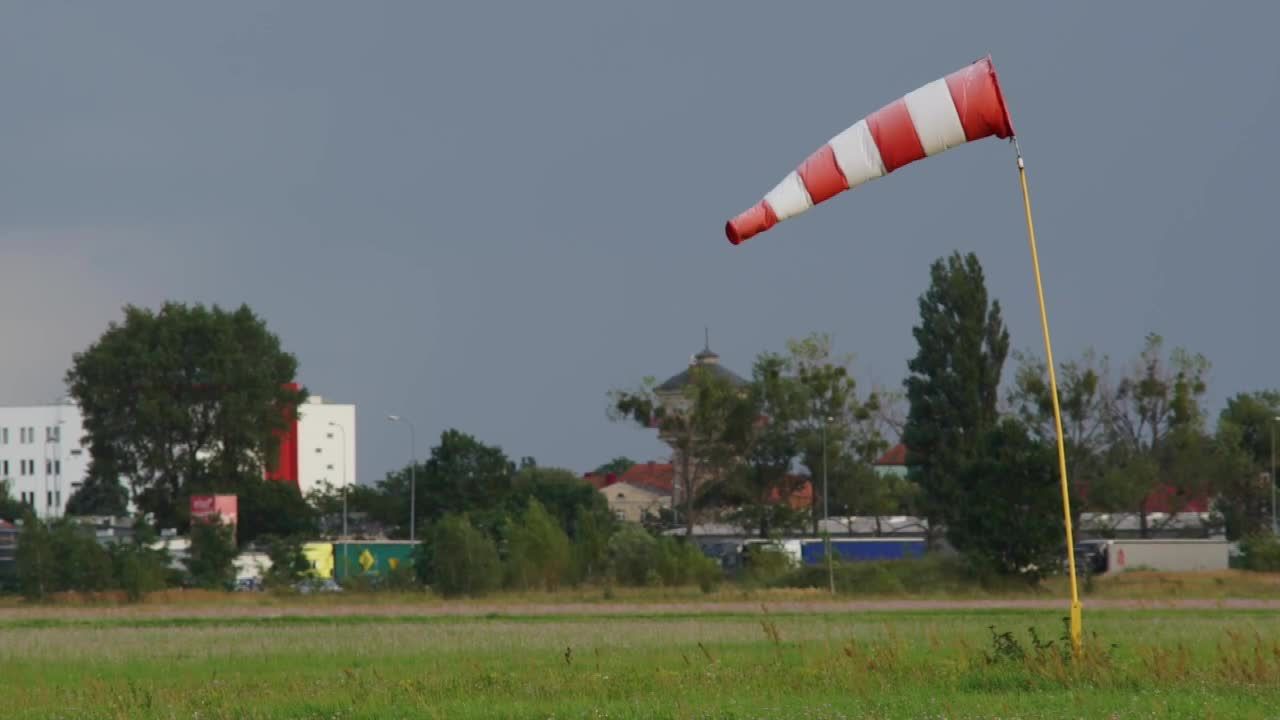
538 555
1260 553
289 564
765 565
639 559
632 553
138 569
213 554
459 559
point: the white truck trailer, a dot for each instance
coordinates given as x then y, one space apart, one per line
1108 557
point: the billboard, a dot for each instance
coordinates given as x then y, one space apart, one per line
208 508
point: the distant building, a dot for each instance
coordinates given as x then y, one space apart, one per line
44 459
318 447
893 462
645 489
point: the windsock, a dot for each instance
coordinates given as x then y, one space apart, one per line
965 105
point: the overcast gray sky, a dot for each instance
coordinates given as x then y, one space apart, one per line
486 215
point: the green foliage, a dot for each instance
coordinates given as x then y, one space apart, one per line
213 552
633 554
289 564
590 548
953 383
462 475
138 569
1260 552
562 493
35 560
99 495
265 508
538 556
617 466
704 422
1011 519
182 397
459 559
766 564
80 563
11 510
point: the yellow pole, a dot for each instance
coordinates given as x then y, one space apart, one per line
1076 614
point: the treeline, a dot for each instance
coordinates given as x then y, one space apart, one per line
64 556
980 451
486 522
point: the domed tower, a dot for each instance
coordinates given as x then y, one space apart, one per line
671 396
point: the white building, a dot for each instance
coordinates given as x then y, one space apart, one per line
326 444
42 459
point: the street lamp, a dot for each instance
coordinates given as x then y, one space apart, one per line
826 509
413 460
346 541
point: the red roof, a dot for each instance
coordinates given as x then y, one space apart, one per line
801 497
896 455
658 477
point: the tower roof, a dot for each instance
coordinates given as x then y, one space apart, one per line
705 359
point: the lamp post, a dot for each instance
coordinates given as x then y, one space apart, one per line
346 541
413 485
826 510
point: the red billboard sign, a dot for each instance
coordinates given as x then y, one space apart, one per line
211 508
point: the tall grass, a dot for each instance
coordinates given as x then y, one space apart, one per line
1160 664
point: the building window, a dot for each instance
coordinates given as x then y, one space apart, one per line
48 498
57 467
330 467
319 450
4 436
48 467
51 434
4 468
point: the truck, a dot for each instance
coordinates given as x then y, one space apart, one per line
1108 557
813 551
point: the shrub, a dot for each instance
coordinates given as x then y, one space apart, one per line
138 569
930 574
1260 552
633 553
288 563
538 554
213 553
459 559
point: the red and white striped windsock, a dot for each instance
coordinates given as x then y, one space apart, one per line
965 105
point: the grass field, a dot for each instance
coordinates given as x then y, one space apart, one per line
270 662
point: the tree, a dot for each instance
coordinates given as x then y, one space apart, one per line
99 495
265 507
35 559
1155 419
1011 520
766 435
462 475
538 554
563 494
288 563
954 381
845 433
138 568
1083 394
1245 432
211 564
458 559
701 424
184 396
616 466
11 509
591 533
80 563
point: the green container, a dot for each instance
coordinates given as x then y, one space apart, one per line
372 559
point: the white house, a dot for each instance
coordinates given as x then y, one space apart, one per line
326 444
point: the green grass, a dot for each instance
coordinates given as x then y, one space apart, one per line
1165 663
